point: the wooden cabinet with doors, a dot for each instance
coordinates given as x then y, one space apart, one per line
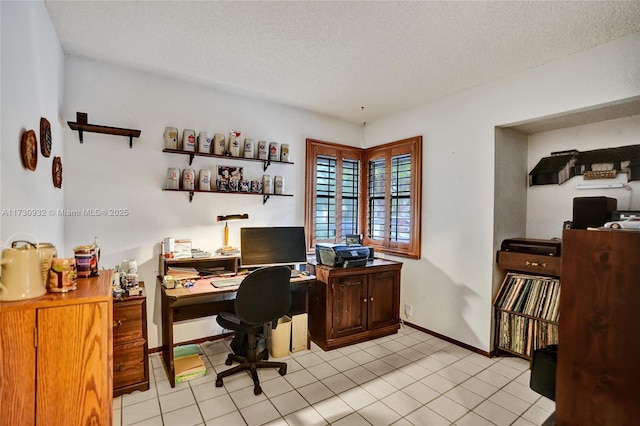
56 357
351 305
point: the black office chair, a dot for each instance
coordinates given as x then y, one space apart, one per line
263 297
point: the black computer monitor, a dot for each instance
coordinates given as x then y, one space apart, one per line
283 245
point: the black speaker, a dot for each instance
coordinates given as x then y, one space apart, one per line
592 212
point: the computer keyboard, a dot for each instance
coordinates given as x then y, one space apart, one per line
227 282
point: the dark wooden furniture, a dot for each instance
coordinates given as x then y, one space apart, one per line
130 344
179 304
55 357
351 305
598 373
527 304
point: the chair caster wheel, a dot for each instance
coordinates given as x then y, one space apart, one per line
282 370
228 362
218 383
257 390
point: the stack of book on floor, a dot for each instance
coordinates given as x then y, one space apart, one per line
187 363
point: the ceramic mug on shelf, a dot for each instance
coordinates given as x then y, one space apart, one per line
278 185
284 153
263 150
205 180
219 144
266 184
274 152
171 137
189 140
234 145
188 179
204 142
248 148
173 178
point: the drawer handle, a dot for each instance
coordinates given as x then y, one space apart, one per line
118 367
542 265
117 323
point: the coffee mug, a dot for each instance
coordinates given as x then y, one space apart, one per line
171 137
189 140
219 144
204 142
205 180
263 150
173 178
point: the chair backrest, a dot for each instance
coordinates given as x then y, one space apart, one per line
264 295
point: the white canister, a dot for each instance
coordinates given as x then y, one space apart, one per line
188 179
204 180
189 140
204 142
266 184
274 152
129 267
278 185
171 137
284 153
263 150
234 145
219 144
248 148
173 178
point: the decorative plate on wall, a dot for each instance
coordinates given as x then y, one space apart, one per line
56 172
45 137
29 150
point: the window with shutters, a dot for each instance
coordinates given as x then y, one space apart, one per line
375 192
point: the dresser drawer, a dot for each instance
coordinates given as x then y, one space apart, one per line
127 322
129 363
534 263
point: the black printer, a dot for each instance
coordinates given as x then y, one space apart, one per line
343 255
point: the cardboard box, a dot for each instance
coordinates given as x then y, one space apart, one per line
299 329
188 368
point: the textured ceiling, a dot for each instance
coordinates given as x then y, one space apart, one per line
336 57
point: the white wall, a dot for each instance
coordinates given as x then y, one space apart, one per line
451 285
103 173
32 84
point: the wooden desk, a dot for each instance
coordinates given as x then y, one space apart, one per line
181 304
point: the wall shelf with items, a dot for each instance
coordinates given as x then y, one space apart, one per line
527 311
192 155
191 192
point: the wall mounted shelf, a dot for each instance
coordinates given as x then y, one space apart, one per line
265 163
82 126
191 192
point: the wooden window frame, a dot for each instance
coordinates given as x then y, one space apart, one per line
412 146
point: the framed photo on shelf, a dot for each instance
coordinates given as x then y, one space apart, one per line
228 178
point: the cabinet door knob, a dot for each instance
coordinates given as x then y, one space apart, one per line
117 323
364 300
118 367
372 299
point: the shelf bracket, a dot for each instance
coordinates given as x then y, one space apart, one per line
130 142
264 199
191 157
80 135
191 196
265 166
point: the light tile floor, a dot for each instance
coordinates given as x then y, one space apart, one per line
409 378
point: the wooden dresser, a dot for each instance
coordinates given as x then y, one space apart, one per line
130 344
56 357
598 371
351 305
